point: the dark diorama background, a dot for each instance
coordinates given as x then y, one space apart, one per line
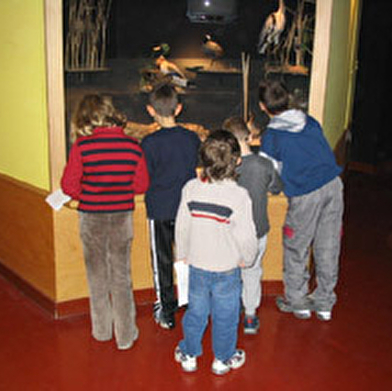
136 26
372 117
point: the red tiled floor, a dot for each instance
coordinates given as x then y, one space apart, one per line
353 352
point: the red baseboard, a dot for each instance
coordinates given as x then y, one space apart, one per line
28 290
143 297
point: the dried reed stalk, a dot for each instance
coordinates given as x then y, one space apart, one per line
245 60
87 32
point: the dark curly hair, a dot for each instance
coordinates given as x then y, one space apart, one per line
219 156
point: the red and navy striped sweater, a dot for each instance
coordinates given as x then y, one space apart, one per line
105 171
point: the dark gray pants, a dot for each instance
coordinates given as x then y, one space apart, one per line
107 239
314 221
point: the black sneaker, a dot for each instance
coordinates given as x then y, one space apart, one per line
167 322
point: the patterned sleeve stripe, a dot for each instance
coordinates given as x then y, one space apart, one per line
111 163
109 192
111 151
218 213
106 209
126 201
110 173
210 217
107 184
109 140
219 210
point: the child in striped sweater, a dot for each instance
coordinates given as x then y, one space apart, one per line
105 170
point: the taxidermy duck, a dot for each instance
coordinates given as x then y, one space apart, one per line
212 49
272 29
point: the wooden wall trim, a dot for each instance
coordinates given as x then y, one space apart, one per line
27 239
320 62
55 89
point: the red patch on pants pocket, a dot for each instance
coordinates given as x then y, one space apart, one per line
288 231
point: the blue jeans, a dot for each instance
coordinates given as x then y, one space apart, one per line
217 294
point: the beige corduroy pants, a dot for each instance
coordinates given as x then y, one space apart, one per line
107 239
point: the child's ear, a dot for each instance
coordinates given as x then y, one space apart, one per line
151 111
178 109
264 109
262 106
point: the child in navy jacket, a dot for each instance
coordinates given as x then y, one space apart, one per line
171 155
310 175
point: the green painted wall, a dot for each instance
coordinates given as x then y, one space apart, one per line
23 132
341 78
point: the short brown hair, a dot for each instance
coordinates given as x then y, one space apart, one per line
237 126
95 111
219 155
164 100
274 96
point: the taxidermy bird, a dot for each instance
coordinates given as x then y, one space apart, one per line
272 29
212 49
161 50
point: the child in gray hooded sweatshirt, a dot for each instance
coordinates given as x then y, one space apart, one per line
315 192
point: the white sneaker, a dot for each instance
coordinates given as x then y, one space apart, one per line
236 361
302 314
285 306
325 316
188 363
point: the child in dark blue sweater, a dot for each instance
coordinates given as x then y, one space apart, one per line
310 175
171 154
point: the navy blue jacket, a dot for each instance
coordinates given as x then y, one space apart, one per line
305 159
172 156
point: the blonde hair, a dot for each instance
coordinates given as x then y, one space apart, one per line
95 111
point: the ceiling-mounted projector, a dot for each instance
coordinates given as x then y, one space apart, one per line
212 11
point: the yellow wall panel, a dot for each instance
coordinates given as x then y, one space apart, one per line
23 131
341 72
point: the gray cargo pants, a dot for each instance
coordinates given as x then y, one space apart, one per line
314 221
107 239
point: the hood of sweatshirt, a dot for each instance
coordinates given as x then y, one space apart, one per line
290 121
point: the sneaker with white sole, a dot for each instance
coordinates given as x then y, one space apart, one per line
188 363
285 306
236 361
166 321
325 316
251 324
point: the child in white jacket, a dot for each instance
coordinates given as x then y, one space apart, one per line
215 235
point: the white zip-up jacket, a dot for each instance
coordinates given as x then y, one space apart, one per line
214 227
